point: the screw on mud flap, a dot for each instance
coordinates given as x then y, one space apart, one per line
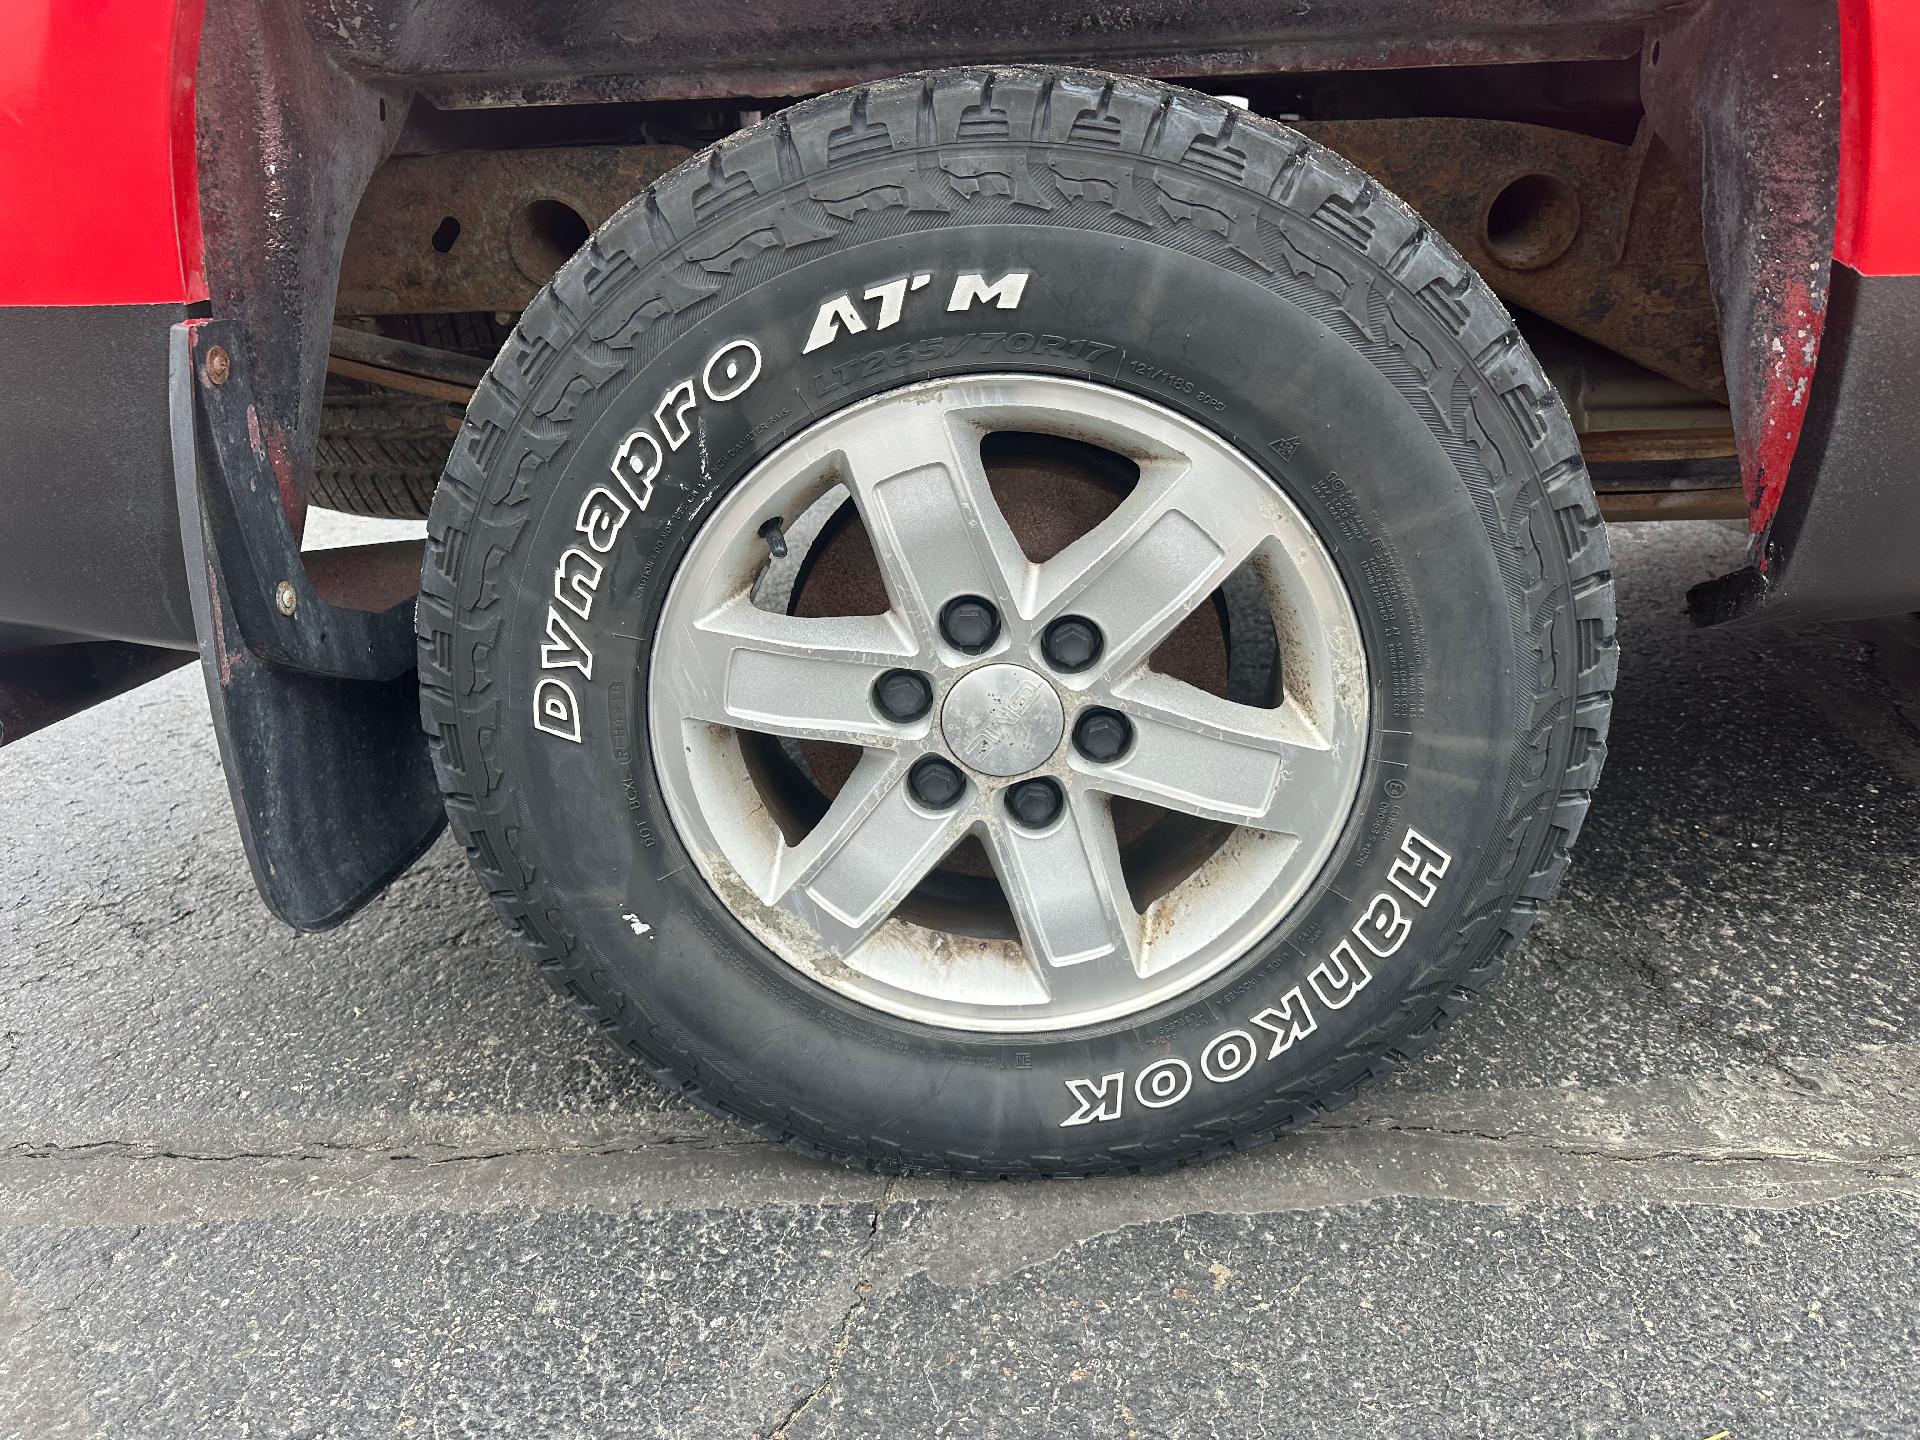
934 782
219 366
1035 803
1071 643
903 695
1103 735
285 599
969 623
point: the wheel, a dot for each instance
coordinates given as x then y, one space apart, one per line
1017 623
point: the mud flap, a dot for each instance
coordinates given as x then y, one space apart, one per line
317 711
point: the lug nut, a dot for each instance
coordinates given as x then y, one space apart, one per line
1035 803
1071 643
1103 735
903 694
934 783
969 623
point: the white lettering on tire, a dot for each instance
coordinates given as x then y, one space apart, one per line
555 708
575 579
1380 931
1292 1020
739 366
972 289
1099 1100
1163 1083
1228 1056
602 514
670 415
893 297
1340 977
841 315
563 649
835 318
604 511
1418 867
1385 926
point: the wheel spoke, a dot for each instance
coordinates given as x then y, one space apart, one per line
930 516
1069 896
1146 567
871 847
1201 755
811 679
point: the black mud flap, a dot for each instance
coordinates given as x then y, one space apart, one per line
315 704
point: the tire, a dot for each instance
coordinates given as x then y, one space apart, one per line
380 453
1202 266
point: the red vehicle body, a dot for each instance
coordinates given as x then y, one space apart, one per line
166 167
1877 228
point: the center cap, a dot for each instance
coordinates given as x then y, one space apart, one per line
1002 719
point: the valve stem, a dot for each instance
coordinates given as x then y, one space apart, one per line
776 538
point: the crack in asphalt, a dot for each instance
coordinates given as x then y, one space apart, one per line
1704 1019
421 1155
324 1151
843 1341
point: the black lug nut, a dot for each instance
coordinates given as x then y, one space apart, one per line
1035 803
935 783
903 694
1102 735
969 623
1071 643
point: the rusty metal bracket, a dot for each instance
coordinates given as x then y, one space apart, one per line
401 365
315 704
484 229
1585 232
1601 238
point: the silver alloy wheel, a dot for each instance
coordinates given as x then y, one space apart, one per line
1286 776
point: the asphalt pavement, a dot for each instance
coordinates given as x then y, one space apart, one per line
380 1182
